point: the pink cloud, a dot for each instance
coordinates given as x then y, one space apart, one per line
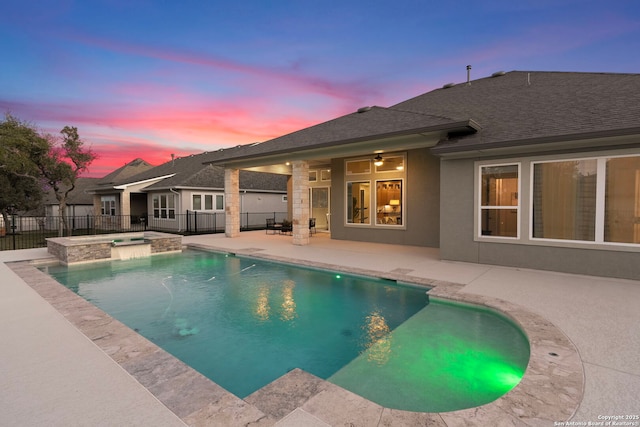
260 75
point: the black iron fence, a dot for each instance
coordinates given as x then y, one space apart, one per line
26 232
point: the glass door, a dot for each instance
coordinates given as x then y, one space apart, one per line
319 199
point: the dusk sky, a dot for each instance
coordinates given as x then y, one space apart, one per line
150 78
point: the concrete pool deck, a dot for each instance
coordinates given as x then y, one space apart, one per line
51 374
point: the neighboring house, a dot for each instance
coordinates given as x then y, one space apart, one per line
527 169
184 192
79 206
79 202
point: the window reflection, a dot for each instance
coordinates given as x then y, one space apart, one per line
564 200
288 303
377 338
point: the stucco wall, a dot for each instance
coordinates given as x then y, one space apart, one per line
422 214
457 236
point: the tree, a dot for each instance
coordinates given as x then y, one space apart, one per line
62 166
20 183
29 160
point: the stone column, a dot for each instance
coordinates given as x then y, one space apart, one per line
125 209
300 202
232 202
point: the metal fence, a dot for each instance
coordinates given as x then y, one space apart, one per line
26 232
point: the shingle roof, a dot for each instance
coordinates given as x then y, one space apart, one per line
77 197
368 123
193 172
520 106
509 109
123 173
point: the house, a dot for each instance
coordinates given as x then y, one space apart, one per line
79 206
183 194
525 169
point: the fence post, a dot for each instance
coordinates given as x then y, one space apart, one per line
13 228
195 222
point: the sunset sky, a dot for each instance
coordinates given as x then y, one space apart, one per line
150 78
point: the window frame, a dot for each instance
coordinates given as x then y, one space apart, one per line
169 211
346 204
111 200
525 192
480 207
401 198
600 201
205 198
373 176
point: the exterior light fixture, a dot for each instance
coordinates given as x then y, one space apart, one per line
377 160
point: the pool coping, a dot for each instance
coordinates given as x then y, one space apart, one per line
550 390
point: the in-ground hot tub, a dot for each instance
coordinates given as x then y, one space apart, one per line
107 247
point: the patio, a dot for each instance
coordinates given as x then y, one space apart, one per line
53 374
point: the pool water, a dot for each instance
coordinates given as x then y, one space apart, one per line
244 323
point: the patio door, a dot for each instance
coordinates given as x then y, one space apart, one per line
319 209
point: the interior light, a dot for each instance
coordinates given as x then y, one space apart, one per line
377 160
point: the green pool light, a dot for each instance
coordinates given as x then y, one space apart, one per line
337 276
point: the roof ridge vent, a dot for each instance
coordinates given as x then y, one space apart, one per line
498 74
448 85
363 109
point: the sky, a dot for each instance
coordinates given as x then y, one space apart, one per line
147 79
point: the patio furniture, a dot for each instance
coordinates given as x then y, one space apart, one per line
273 227
286 227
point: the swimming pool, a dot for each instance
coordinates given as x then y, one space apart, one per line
243 322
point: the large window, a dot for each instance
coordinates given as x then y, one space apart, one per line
164 206
564 200
108 205
622 200
375 190
594 200
389 202
499 201
200 202
358 199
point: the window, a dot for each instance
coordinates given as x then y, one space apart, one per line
564 200
391 164
578 200
164 206
313 176
376 197
325 175
108 205
206 202
358 167
499 202
389 202
358 197
622 200
197 202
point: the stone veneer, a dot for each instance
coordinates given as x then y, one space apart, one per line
84 249
300 202
232 202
